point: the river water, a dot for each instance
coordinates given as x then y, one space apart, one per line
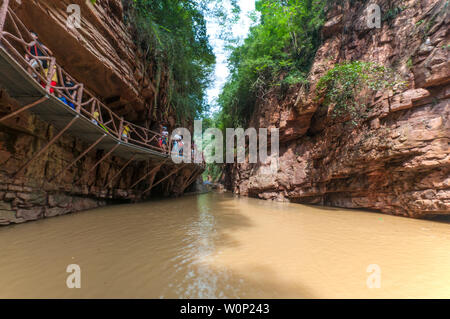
219 246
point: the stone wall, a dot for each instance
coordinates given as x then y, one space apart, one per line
397 161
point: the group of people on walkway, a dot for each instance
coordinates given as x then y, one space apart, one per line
37 57
177 145
177 142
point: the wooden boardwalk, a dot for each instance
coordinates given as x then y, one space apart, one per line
83 116
21 86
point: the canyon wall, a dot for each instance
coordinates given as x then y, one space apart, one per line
101 54
397 160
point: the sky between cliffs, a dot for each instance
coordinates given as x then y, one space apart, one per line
240 31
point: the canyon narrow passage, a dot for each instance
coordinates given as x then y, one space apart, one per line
216 246
224 149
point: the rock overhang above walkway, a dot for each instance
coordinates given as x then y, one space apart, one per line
101 52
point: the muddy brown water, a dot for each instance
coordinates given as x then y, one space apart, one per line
219 246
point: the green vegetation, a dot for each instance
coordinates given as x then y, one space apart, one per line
341 88
392 13
278 52
172 35
213 171
437 15
409 63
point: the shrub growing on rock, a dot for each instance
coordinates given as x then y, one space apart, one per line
343 86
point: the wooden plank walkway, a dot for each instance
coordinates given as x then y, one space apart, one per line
21 86
86 118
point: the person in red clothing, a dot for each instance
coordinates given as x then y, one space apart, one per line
164 139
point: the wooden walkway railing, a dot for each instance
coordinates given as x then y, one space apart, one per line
17 40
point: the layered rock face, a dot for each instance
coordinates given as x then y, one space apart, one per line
396 161
100 54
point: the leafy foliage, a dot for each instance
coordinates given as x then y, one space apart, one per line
173 34
278 51
341 87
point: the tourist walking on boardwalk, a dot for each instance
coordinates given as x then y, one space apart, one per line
95 117
176 145
180 146
34 52
125 133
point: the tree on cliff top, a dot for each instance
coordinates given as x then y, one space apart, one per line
277 52
173 35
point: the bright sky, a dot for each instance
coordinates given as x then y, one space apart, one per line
240 30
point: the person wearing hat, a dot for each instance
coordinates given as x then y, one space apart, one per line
176 145
164 139
34 52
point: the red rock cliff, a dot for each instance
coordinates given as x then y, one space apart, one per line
101 54
398 160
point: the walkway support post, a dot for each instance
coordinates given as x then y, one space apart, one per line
155 169
152 179
53 140
24 108
78 158
3 13
183 187
109 184
163 179
98 162
192 178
